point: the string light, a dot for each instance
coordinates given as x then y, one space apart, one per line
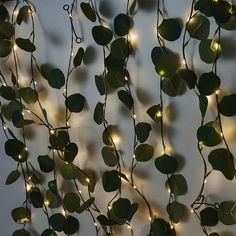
158 114
129 226
95 224
215 46
28 111
52 131
5 126
134 116
67 123
28 187
46 202
109 207
205 181
80 191
184 62
134 156
126 78
162 72
15 47
25 220
218 91
133 36
116 139
87 180
191 211
134 186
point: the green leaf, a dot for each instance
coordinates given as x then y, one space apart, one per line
107 134
221 159
111 181
142 131
98 113
85 205
102 35
71 225
25 44
109 156
46 164
48 232
121 48
231 24
21 232
15 148
203 104
177 184
208 136
188 76
88 11
19 121
103 220
7 92
3 13
170 29
227 105
92 182
227 212
199 27
59 139
162 228
112 62
56 79
52 185
167 64
21 215
121 208
100 84
75 102
132 7
132 211
116 78
208 83
23 15
78 57
144 152
209 51
155 112
209 216
57 221
12 177
221 11
166 164
29 95
176 211
71 150
122 24
204 6
6 30
71 201
5 47
126 98
69 171
36 198
52 199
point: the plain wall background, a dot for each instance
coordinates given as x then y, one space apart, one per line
53 43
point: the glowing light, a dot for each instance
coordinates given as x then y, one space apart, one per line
221 134
215 46
191 211
63 212
171 226
168 190
67 123
15 47
134 187
15 13
133 36
95 224
5 126
184 62
26 149
72 54
28 111
201 143
28 187
22 113
35 82
70 15
161 72
29 11
4 84
80 191
205 181
158 114
134 156
52 131
134 116
126 78
217 91
109 207
150 218
87 180
129 226
24 221
20 156
116 139
214 0
46 202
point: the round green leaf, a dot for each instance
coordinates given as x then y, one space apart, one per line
71 201
3 13
126 98
71 151
36 198
25 44
208 83
46 164
69 171
231 24
170 29
21 232
227 212
122 24
203 104
108 133
57 221
15 148
88 11
59 139
28 94
208 51
5 47
6 30
177 184
83 207
199 27
98 113
100 84
208 136
204 6
56 79
12 177
209 216
112 62
102 35
7 92
221 11
176 211
227 105
23 15
52 185
75 102
144 152
166 164
71 225
48 232
121 208
116 77
142 131
121 48
78 57
111 181
162 228
52 199
20 214
109 157
188 76
221 159
155 112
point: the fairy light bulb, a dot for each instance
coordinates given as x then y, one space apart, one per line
116 139
28 187
109 207
129 226
217 91
161 72
87 180
15 47
184 62
134 156
46 202
95 224
134 116
159 114
133 36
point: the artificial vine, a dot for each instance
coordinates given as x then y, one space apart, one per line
22 106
